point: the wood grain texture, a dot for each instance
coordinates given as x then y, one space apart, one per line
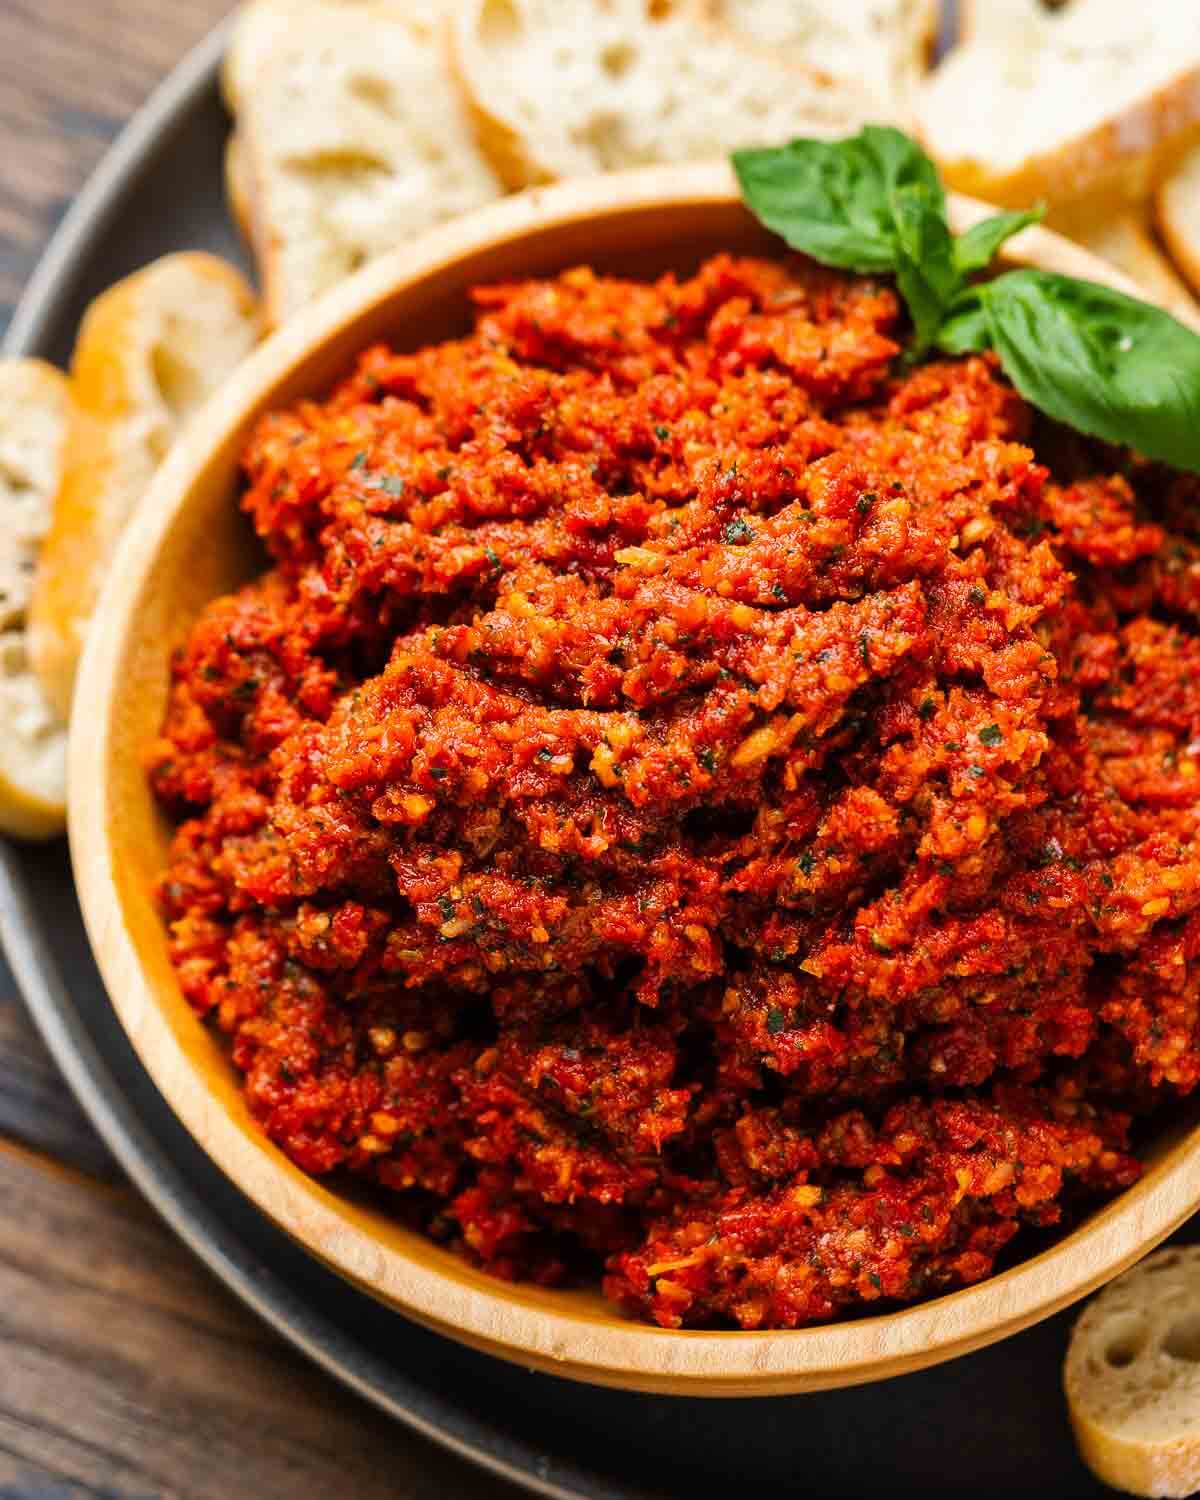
71 73
189 545
173 1389
37 1108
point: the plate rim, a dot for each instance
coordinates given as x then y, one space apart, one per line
74 1051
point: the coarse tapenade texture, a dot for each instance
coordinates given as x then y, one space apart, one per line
696 802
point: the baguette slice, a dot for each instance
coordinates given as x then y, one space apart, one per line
34 407
1126 239
353 137
150 352
1177 205
33 749
1092 97
567 88
262 26
881 46
1132 1377
239 189
993 20
34 402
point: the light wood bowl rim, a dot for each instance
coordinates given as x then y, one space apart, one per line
559 1332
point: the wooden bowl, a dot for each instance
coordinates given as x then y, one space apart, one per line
189 543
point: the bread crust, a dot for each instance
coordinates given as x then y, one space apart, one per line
523 156
1126 239
34 414
1120 158
353 134
239 188
911 46
1131 1401
33 750
122 423
1180 229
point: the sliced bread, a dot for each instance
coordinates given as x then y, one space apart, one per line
239 190
1126 239
34 407
1090 97
150 352
883 47
1132 1377
993 20
262 26
1177 206
352 137
33 748
34 402
567 88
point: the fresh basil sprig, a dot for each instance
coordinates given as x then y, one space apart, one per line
1101 362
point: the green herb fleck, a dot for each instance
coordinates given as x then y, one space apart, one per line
390 484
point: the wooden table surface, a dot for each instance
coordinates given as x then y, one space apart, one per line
125 1369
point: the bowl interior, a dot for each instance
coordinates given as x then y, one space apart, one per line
188 544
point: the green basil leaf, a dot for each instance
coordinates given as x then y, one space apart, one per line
1101 362
901 162
965 328
976 249
834 200
926 273
824 198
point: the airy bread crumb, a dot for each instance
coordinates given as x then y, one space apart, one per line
1132 1377
352 137
1053 103
567 88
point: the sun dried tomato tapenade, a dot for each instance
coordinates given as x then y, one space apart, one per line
695 802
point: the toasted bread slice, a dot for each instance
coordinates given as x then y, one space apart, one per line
33 749
263 25
1092 97
566 88
1132 1377
881 46
150 352
1126 239
994 20
352 138
1177 205
34 402
34 408
239 190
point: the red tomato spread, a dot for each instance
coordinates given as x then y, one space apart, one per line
695 804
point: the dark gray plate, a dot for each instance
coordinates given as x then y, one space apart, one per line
994 1421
